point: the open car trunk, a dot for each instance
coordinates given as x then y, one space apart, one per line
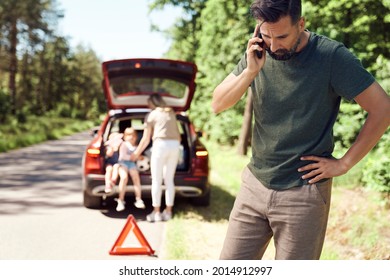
128 83
119 124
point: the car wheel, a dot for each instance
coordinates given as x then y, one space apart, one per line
92 202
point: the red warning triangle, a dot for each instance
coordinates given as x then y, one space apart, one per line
131 226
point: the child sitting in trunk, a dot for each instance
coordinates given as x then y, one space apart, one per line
112 155
126 167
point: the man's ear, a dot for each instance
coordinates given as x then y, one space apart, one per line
302 23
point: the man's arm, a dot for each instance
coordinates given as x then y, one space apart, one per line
233 87
376 103
229 92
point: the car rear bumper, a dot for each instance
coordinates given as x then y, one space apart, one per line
94 184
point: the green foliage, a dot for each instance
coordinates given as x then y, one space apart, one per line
382 70
215 48
221 45
357 24
85 93
64 110
225 128
25 27
45 73
376 173
348 124
376 168
33 130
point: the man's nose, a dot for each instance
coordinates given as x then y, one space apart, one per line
274 46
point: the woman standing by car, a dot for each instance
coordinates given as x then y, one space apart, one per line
161 127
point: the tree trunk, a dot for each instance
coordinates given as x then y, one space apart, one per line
13 65
246 129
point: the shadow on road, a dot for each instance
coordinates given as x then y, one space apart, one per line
139 214
221 203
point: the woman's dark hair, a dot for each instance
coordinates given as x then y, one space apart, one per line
157 100
273 10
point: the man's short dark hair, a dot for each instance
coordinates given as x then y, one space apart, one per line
273 10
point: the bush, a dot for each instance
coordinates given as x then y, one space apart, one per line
63 110
376 173
14 134
375 170
225 128
348 124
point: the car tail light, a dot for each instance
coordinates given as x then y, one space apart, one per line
93 152
202 153
93 161
200 162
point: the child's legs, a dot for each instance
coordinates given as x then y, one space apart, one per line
136 182
115 173
122 182
107 178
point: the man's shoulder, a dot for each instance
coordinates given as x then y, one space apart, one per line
325 47
324 41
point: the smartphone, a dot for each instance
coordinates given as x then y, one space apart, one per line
260 53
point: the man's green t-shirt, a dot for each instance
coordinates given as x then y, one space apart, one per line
296 103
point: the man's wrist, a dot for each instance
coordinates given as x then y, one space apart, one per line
249 75
345 165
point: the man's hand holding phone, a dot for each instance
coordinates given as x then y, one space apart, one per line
259 53
255 51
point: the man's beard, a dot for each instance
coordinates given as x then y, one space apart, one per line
283 54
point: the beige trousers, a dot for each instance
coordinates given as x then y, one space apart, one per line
296 218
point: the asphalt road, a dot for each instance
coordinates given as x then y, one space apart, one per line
41 211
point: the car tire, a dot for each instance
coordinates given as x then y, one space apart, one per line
92 202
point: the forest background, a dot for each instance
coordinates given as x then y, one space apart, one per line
43 78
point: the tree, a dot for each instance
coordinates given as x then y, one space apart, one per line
42 80
85 95
362 25
26 23
183 33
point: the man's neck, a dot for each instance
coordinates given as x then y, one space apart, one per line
304 40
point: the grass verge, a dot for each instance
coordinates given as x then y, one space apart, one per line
14 135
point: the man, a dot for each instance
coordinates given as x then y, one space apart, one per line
297 86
